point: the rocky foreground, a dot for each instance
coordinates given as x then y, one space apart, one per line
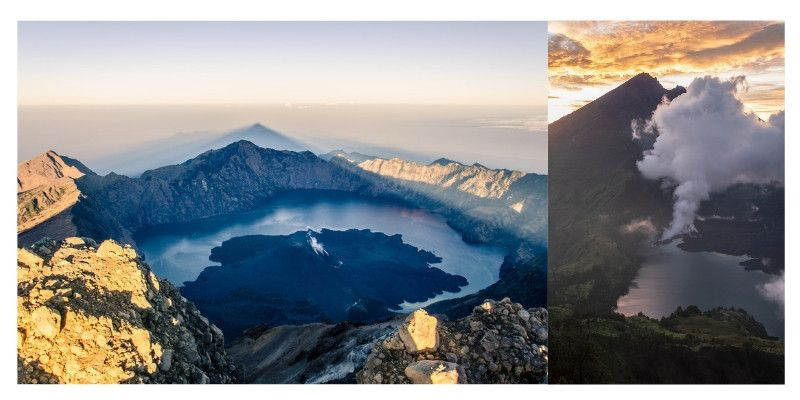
500 342
96 314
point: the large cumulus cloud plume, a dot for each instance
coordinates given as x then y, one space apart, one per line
706 142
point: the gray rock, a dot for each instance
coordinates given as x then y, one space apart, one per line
490 342
166 360
435 372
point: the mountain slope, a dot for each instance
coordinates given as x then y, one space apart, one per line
46 169
596 189
46 189
237 177
504 203
242 176
475 179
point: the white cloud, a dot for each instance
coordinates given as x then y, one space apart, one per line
707 142
773 290
643 226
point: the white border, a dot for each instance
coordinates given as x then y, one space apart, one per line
383 10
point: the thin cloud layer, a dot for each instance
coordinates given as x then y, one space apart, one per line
596 53
585 57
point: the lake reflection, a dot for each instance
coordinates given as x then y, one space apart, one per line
671 277
179 252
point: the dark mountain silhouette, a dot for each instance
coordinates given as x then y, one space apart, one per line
595 188
180 147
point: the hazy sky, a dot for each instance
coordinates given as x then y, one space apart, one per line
589 58
513 137
282 62
470 91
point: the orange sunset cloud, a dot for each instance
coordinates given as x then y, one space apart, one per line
586 59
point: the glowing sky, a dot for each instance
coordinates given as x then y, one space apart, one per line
587 59
492 63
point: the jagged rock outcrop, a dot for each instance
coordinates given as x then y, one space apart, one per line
46 188
488 205
473 179
44 202
47 168
237 177
97 314
500 342
242 175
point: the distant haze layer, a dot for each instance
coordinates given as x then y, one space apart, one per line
513 137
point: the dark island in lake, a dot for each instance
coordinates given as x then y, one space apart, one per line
307 276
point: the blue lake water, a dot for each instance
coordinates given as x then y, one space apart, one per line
671 277
179 252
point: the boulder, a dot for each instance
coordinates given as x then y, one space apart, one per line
46 322
435 372
419 332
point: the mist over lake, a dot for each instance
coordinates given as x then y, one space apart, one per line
671 277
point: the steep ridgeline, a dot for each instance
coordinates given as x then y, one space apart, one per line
47 169
503 200
237 177
46 188
242 176
596 190
97 314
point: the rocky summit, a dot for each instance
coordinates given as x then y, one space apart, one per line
97 314
499 342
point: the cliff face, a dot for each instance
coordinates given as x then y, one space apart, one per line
47 168
234 178
46 188
596 190
96 314
473 179
486 204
